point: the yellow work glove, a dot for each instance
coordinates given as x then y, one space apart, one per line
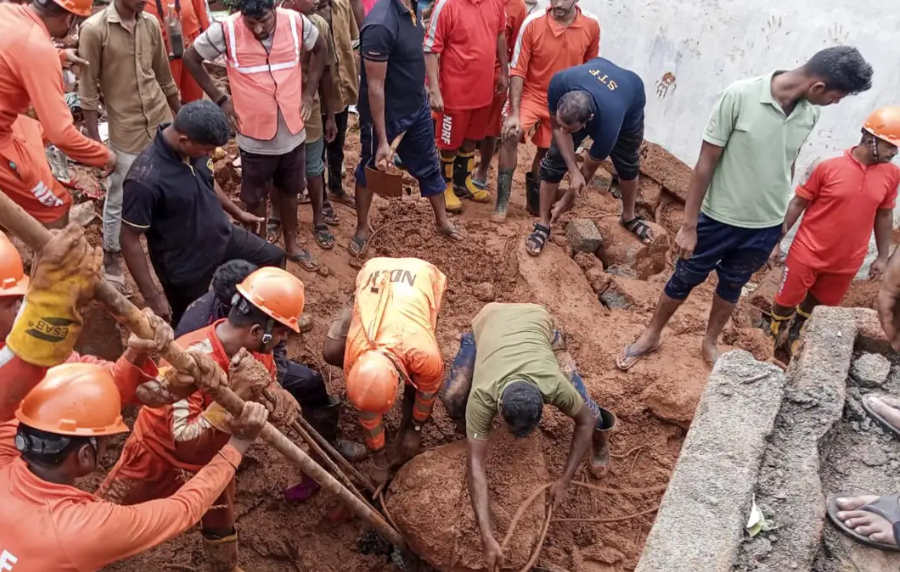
218 417
66 275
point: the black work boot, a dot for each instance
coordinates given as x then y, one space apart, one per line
325 421
600 442
532 195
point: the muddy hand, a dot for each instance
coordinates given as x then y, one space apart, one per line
210 377
248 376
162 335
251 422
282 406
558 493
493 553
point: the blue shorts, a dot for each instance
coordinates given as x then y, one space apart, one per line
417 151
734 253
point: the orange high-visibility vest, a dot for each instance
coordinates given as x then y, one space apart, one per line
264 82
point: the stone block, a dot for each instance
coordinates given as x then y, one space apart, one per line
870 370
700 523
583 235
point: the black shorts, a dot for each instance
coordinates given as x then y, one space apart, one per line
625 156
286 172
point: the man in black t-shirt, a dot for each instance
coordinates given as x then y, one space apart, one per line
171 198
392 102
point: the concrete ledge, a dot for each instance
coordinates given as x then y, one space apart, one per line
700 523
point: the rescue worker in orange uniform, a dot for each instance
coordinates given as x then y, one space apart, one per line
54 424
183 437
31 75
387 340
181 23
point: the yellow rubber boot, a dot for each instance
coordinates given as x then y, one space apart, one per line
779 327
462 178
222 554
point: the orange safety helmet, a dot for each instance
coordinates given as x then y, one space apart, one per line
13 281
75 400
78 7
373 382
276 292
884 123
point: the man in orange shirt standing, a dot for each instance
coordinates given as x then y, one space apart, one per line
55 422
516 11
181 24
31 75
183 437
551 40
468 37
388 339
843 200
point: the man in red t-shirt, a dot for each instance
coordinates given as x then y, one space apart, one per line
468 36
844 199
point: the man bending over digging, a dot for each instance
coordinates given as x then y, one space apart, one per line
513 362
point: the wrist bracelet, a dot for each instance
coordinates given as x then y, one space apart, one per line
221 454
222 99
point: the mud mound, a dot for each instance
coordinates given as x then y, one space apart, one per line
430 502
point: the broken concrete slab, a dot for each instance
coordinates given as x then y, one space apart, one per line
666 169
701 520
583 235
870 370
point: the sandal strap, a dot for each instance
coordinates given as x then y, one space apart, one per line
887 507
638 226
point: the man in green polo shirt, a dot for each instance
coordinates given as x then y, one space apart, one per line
521 363
741 186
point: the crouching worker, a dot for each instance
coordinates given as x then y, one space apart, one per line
183 437
323 411
385 340
508 366
54 426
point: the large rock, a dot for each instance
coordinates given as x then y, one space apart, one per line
430 502
583 235
870 370
621 247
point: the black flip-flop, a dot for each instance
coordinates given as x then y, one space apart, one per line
343 197
273 230
878 418
305 260
328 215
886 507
538 238
323 236
358 246
638 228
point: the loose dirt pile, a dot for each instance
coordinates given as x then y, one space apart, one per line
655 401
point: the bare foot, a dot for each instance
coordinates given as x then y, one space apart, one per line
885 406
876 527
710 353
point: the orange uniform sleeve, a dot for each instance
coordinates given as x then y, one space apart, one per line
593 49
810 189
17 378
440 25
890 200
38 66
518 65
426 368
201 9
100 533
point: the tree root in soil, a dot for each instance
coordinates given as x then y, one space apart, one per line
540 544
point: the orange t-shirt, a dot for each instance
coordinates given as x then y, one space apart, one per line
178 433
545 46
31 75
194 19
516 11
843 196
395 309
464 33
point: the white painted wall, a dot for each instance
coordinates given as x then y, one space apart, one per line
707 44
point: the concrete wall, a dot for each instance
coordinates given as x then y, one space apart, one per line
688 51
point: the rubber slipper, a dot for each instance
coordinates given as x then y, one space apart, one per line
324 238
638 228
886 507
118 282
344 198
305 260
358 246
454 234
885 424
537 239
628 359
273 231
329 216
478 183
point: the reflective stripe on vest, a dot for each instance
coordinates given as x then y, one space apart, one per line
233 59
